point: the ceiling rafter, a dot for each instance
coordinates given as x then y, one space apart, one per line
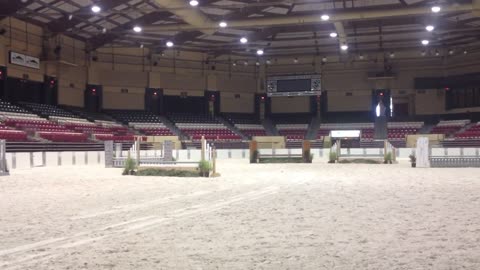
100 40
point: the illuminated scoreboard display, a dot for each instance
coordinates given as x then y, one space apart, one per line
294 85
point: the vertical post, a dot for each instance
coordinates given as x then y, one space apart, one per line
3 158
203 142
339 149
108 154
253 150
306 151
385 149
214 160
137 145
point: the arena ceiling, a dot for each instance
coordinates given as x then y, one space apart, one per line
278 27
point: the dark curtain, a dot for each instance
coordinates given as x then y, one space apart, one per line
18 90
184 104
154 100
50 90
215 96
93 98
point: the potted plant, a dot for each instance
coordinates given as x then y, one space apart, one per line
332 157
130 165
413 160
388 158
204 167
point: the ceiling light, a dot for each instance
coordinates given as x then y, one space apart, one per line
295 60
324 59
70 17
169 44
361 57
260 52
437 53
430 28
450 52
465 52
243 40
325 17
344 47
425 42
257 63
268 62
96 9
333 35
222 24
234 64
137 29
436 9
245 63
141 46
392 55
104 30
424 53
193 3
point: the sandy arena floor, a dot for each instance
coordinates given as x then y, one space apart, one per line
299 216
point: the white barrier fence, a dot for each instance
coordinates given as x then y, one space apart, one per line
17 161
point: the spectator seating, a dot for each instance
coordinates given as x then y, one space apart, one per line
138 116
247 124
152 129
93 116
473 132
397 131
292 132
146 122
293 126
49 110
9 134
198 125
449 127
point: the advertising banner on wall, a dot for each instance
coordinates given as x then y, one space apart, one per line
24 60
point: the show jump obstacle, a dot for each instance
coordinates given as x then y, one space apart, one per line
114 158
388 148
257 157
3 158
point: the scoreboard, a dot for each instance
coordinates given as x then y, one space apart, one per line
294 85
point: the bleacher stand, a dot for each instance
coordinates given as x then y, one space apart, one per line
146 122
449 127
247 124
198 125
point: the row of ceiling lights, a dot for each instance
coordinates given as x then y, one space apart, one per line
244 40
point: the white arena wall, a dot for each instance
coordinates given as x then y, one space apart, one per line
18 161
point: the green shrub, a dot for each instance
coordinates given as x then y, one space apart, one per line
163 172
327 144
388 158
204 167
359 161
130 166
282 160
332 157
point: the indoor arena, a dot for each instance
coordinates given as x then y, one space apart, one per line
200 134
